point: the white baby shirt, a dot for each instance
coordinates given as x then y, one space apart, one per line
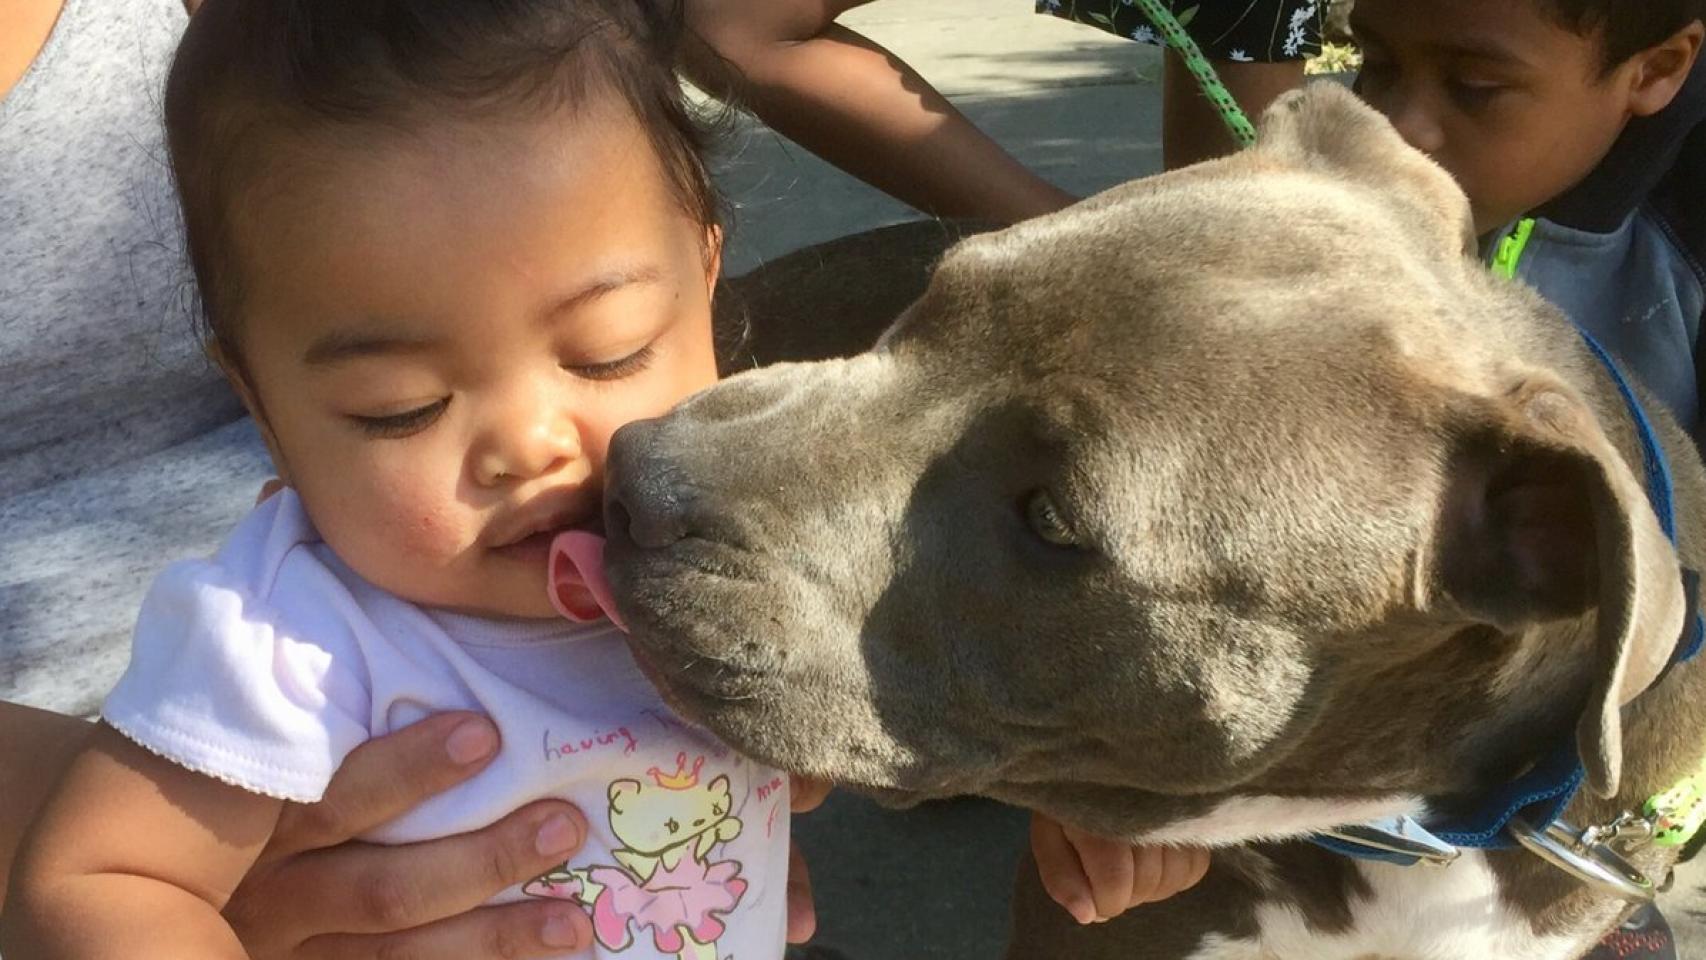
267 664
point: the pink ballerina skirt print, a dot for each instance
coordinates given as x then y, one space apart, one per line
665 878
693 897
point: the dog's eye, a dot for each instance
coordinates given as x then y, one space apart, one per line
1046 521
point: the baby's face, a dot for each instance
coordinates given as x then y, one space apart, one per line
442 330
1515 106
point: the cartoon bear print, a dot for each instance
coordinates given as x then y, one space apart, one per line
664 878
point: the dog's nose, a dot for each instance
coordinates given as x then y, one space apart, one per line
643 501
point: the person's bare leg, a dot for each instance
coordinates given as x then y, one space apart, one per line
858 106
1191 129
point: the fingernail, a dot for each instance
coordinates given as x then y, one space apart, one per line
557 836
1083 911
559 931
472 741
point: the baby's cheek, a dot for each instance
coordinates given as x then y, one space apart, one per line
428 532
404 525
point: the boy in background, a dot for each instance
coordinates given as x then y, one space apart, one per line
1578 130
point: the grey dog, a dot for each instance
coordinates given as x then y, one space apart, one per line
1223 508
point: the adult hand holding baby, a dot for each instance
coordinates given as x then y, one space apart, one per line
316 894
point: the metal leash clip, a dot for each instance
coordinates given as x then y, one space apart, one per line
1588 856
1400 835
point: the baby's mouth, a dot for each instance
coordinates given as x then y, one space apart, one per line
578 587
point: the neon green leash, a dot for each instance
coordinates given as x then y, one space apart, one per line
1675 816
1678 813
1172 31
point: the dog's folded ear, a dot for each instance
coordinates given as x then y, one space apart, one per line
1542 521
1325 127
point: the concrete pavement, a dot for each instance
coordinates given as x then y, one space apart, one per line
1083 109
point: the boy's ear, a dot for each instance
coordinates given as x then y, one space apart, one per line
245 392
1662 69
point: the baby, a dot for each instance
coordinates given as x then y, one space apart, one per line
446 249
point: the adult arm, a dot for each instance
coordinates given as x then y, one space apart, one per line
858 106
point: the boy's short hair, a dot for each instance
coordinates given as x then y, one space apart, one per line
1626 27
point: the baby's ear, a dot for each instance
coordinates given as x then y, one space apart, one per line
719 787
1326 128
245 392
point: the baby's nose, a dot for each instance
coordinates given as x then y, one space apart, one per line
527 445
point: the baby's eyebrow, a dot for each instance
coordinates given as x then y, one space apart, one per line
607 282
341 345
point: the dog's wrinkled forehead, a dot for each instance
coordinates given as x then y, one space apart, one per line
1229 321
1318 227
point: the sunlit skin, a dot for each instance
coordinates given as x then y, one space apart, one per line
440 330
1517 107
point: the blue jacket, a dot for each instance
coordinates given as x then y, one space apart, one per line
1624 251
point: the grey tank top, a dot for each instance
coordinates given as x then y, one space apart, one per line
120 447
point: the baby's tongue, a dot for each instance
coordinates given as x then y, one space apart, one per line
579 590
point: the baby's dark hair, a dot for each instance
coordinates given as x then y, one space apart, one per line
1626 27
247 70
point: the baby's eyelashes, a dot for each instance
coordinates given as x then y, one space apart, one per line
407 423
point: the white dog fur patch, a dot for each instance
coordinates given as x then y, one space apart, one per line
1414 913
1243 820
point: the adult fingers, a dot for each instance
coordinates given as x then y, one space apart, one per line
802 912
806 794
1058 866
537 928
366 889
386 777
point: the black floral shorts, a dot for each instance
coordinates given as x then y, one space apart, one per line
1264 31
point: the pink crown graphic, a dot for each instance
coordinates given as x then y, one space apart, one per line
682 778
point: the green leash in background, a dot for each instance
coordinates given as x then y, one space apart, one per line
1180 42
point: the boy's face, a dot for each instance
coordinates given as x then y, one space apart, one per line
1517 108
443 331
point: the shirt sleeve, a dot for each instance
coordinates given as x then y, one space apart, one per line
246 667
